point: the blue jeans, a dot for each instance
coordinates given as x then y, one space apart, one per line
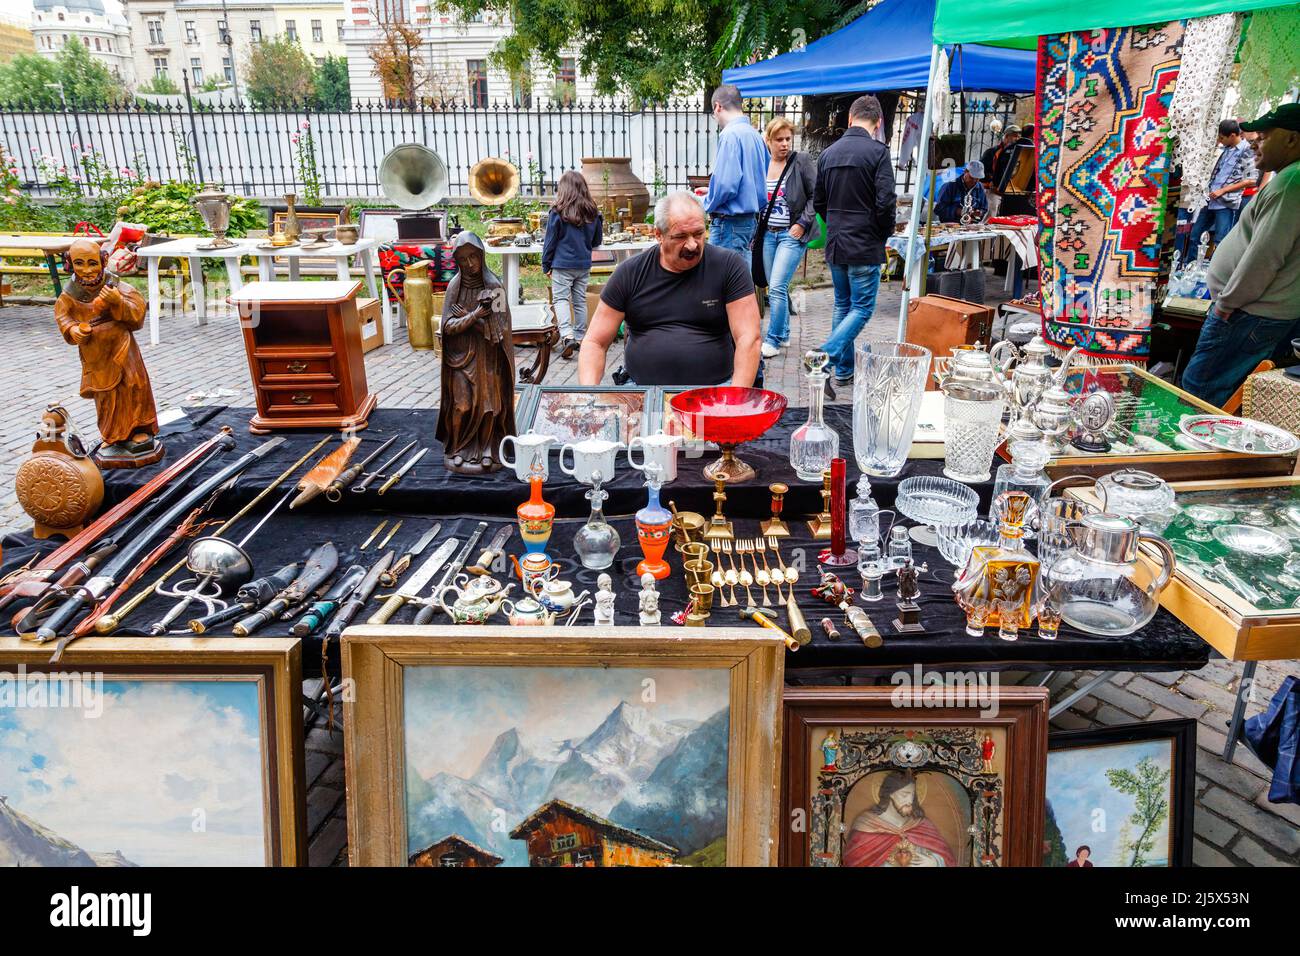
782 254
569 297
1228 351
733 232
1216 221
855 301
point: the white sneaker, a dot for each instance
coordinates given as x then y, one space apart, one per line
769 350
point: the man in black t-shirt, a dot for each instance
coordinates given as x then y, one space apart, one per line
692 317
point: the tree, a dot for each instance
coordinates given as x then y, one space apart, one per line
32 81
652 49
1148 785
395 55
333 92
278 74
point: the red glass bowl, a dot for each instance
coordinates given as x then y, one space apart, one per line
728 414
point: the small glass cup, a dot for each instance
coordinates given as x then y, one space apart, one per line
1049 619
976 617
1009 621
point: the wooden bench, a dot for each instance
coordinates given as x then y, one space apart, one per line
18 261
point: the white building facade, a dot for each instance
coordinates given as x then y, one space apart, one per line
206 41
455 56
106 36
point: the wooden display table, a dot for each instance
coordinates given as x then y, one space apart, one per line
303 341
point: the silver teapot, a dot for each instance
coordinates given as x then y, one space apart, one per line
973 363
1032 375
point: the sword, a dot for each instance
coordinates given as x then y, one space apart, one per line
411 588
403 470
335 490
318 568
425 614
369 584
361 487
394 574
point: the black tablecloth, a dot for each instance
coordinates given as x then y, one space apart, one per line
429 493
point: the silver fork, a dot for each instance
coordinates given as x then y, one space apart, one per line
730 575
764 575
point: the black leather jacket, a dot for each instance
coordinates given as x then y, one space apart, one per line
855 195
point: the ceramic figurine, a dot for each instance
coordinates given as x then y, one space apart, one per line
987 749
830 750
649 600
604 611
478 367
653 524
98 315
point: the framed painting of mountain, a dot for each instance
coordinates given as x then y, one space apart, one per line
152 752
1121 795
504 746
914 776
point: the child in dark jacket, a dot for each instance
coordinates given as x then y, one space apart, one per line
573 229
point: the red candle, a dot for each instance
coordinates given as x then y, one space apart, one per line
838 512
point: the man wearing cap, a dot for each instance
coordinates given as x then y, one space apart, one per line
1234 172
958 194
1254 277
995 160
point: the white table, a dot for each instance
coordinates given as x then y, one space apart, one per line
510 271
192 249
967 242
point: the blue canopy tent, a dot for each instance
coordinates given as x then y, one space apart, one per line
887 48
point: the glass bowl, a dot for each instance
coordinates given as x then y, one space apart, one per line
1251 539
957 541
728 414
934 501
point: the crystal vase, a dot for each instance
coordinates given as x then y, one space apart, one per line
888 382
972 424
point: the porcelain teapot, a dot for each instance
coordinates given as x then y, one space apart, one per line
527 612
476 600
554 595
1100 584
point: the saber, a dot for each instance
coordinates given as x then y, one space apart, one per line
35 581
319 612
362 486
403 470
103 582
108 623
364 591
215 561
425 614
335 490
394 574
248 598
411 588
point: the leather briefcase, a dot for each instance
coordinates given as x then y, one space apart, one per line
939 323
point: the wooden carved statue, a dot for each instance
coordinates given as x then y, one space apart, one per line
478 364
99 315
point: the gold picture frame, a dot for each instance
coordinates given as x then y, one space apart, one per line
211 687
380 662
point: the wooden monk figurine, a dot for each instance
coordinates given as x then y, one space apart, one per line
478 364
98 316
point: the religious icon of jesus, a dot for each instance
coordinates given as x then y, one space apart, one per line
895 831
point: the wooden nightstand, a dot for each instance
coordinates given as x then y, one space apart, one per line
303 341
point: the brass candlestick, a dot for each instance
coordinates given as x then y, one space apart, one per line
820 526
776 528
719 528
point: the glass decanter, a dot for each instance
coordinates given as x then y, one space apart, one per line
1002 580
814 443
1029 455
596 542
864 525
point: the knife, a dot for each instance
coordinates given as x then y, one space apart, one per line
335 490
322 563
317 614
396 477
413 585
359 597
485 560
431 606
394 574
249 597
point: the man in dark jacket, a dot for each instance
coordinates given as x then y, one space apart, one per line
855 196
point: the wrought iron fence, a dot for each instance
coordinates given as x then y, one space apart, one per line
257 153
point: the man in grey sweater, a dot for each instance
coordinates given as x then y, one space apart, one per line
1254 276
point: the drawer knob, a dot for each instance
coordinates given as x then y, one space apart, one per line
298 366
301 398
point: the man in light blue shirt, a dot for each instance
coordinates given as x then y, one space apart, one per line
738 186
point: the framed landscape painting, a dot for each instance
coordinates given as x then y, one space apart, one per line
152 752
1121 796
884 777
474 746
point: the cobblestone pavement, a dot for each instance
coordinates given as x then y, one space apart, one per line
1235 824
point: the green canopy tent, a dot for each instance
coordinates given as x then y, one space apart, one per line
1019 24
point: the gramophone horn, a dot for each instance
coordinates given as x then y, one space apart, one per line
493 181
413 176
